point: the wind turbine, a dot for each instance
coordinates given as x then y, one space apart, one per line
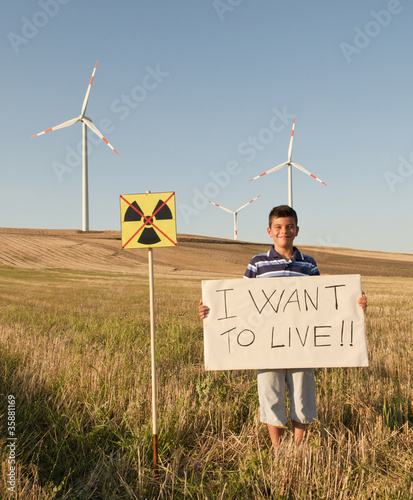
86 122
235 213
290 173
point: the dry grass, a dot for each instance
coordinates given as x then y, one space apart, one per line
75 354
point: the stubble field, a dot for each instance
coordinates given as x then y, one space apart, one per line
75 356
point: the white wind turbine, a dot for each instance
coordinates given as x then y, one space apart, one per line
86 122
235 213
290 173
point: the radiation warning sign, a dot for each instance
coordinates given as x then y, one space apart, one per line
148 220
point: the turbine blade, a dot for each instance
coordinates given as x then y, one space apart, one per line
86 99
96 131
223 208
290 147
269 171
243 206
62 125
296 165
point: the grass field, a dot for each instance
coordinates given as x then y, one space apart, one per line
75 355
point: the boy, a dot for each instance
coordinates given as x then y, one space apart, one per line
284 259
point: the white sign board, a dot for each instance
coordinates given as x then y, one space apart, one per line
286 322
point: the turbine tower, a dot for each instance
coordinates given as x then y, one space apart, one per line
235 213
86 122
290 173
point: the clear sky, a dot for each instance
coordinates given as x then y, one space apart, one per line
199 96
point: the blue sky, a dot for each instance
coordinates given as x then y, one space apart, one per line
198 97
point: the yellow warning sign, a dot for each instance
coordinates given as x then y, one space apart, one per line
148 220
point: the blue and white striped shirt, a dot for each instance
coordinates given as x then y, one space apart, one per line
272 264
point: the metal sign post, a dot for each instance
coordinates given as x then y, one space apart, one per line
153 364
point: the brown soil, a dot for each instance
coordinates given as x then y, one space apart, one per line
195 256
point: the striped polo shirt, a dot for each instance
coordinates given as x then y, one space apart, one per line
272 264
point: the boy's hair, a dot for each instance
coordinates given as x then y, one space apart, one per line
282 211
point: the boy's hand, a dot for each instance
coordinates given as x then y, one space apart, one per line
203 310
362 301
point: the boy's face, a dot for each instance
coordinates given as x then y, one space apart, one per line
283 231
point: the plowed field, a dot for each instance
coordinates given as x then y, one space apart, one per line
194 255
